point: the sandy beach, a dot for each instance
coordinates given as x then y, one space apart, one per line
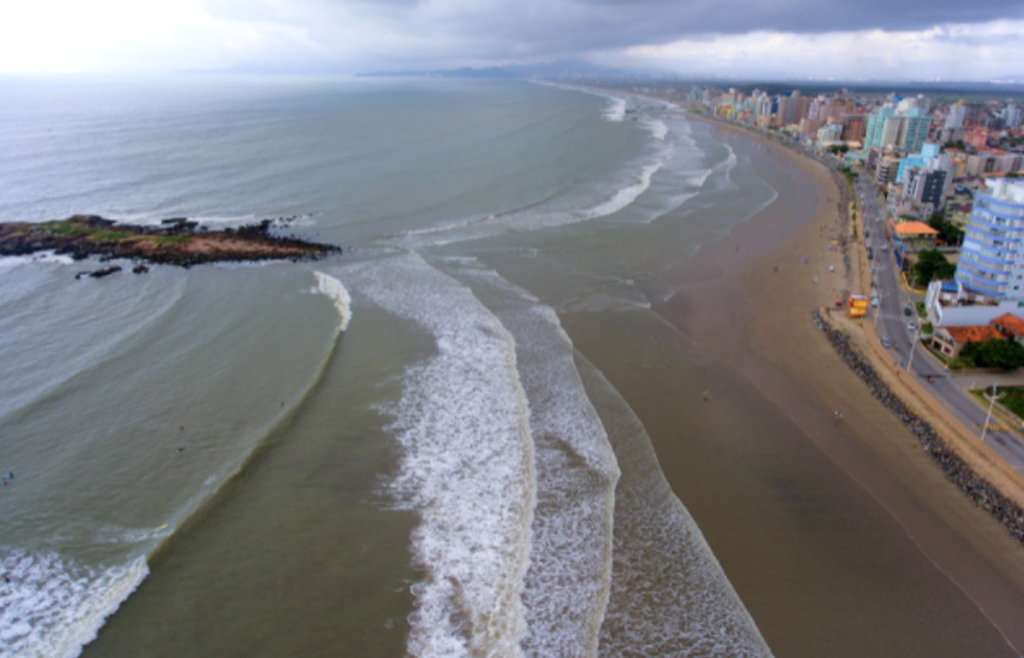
842 538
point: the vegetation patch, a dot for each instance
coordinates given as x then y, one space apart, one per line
109 236
932 264
1013 399
65 230
1001 354
171 239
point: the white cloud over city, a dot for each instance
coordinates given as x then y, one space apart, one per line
783 39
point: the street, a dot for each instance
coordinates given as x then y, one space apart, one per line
891 322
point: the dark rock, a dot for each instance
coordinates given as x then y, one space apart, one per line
106 271
140 269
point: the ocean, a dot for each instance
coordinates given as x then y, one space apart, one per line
403 450
393 451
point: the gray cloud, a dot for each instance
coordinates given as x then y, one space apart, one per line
503 29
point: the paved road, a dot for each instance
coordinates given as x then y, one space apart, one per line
892 323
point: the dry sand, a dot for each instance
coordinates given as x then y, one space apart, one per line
871 445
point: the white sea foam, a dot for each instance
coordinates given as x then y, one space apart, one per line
54 606
622 197
658 128
567 584
669 596
333 288
539 217
616 110
45 257
466 464
728 164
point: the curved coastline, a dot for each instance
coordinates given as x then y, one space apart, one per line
879 454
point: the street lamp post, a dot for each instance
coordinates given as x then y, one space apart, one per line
913 346
992 403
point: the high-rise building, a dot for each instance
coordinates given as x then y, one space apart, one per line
1011 116
890 129
818 109
914 130
854 128
992 257
956 115
789 108
926 186
876 126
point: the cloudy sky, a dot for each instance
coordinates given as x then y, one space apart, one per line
848 39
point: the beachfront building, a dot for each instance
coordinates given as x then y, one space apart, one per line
952 340
1010 326
992 259
950 304
914 236
830 134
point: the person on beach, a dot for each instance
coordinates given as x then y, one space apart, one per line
706 396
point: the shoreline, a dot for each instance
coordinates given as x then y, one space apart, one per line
961 540
981 459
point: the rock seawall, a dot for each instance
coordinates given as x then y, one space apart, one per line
982 492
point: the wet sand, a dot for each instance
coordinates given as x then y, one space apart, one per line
842 539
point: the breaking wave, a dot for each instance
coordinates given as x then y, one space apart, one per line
333 288
467 463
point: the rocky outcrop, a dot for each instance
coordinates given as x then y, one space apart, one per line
175 241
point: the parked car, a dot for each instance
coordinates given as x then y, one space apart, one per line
885 342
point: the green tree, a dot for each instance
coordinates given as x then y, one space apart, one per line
1003 354
932 264
948 231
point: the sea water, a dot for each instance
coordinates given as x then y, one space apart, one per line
396 450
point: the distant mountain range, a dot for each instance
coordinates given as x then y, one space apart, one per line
578 70
582 71
559 70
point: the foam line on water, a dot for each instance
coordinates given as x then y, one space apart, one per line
53 607
328 285
466 464
616 110
45 257
669 595
624 196
570 562
658 128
